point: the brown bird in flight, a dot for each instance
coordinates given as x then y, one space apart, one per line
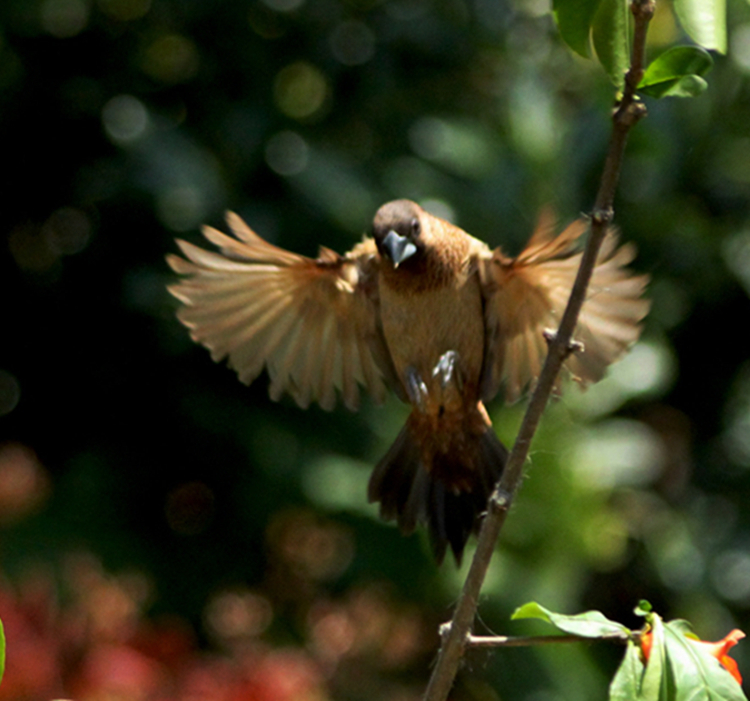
421 308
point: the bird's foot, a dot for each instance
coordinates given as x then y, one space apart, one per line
448 372
416 388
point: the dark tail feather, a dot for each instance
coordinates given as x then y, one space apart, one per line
447 496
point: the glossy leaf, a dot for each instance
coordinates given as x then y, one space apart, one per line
677 73
591 624
610 32
687 86
626 684
574 19
699 675
705 22
656 684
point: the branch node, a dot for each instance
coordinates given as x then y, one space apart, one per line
632 113
573 346
603 217
500 501
643 9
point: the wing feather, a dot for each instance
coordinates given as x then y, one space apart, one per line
528 294
312 323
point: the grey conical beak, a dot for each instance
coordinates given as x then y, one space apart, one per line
398 247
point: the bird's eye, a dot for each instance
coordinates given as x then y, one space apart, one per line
415 227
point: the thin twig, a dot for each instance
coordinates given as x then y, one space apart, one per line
628 112
476 641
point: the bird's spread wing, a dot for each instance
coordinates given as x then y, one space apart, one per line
528 294
314 324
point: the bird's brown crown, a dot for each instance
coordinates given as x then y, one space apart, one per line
440 246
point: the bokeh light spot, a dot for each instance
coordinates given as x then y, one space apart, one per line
68 229
736 253
440 208
10 392
311 547
37 249
352 43
265 22
124 10
739 43
730 574
464 147
287 153
171 59
284 5
24 483
181 208
533 122
300 90
64 18
233 615
125 119
190 508
618 452
648 370
736 435
338 482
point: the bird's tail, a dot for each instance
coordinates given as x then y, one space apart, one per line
440 471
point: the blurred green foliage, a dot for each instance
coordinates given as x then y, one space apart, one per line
125 123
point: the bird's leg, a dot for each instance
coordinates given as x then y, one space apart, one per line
448 371
416 388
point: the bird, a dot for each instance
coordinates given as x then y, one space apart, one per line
422 309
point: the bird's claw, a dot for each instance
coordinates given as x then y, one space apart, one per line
416 388
447 370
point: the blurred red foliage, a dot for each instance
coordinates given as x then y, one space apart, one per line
82 633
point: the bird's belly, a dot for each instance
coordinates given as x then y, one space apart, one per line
421 328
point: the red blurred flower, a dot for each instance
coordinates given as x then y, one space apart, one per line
720 650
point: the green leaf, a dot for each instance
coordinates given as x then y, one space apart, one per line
2 651
644 608
698 674
677 73
626 684
688 86
591 624
611 39
656 684
573 19
705 22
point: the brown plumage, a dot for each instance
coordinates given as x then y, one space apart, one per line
425 310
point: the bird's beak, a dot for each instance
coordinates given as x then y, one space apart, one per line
398 247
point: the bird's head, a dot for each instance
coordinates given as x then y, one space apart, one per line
398 231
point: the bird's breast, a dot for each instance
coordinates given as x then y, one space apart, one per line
420 328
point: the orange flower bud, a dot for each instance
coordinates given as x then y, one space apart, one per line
720 650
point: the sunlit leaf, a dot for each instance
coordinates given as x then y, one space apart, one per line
591 624
699 675
705 22
574 19
687 86
626 684
657 684
611 38
677 73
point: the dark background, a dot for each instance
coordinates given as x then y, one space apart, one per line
162 526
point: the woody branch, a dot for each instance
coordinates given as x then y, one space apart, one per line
627 113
